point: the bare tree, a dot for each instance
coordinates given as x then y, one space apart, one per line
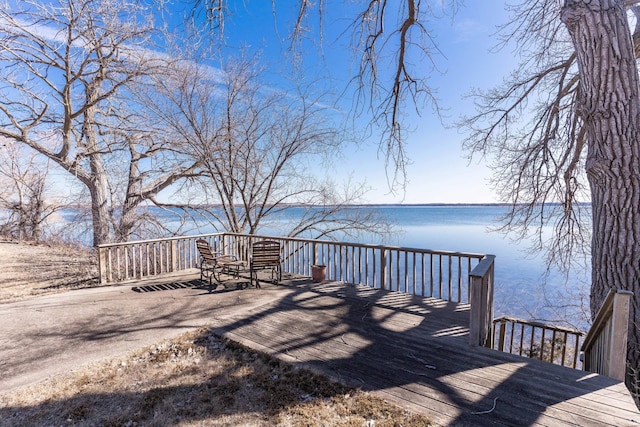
67 70
257 147
564 129
23 181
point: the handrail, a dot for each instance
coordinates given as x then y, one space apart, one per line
439 274
605 346
550 343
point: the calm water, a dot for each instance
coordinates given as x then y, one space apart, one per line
522 288
523 285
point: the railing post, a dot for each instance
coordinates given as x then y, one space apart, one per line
314 254
481 301
102 265
501 335
476 315
174 255
383 269
619 333
605 346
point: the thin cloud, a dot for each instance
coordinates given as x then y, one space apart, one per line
468 30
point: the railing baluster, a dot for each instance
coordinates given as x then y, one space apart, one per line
533 331
375 272
563 341
450 297
366 266
431 285
118 263
469 265
415 271
385 267
422 275
406 271
440 276
459 279
359 264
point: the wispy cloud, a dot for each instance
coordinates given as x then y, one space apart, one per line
468 30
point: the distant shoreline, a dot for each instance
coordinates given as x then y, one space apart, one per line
417 205
359 205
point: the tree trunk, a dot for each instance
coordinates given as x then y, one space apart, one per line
99 203
610 107
97 183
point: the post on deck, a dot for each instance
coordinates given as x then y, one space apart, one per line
102 265
481 301
383 269
605 346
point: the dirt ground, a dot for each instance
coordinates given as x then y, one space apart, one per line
27 270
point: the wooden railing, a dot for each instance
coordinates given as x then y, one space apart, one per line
550 343
450 276
481 299
439 274
120 262
605 346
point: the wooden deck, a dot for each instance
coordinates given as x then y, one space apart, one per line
414 352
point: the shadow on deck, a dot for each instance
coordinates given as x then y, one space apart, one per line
408 349
414 352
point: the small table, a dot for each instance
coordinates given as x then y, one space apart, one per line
232 268
227 264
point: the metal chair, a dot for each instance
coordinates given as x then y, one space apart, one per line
265 254
213 265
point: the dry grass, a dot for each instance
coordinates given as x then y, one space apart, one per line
198 379
29 270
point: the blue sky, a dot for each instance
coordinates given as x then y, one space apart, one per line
439 172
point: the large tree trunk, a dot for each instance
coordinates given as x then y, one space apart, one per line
97 183
610 107
100 212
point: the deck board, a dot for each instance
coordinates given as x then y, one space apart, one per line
414 352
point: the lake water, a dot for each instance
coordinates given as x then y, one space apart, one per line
523 287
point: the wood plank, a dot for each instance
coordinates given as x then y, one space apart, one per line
414 352
463 384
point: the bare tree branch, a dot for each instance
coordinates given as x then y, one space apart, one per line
397 39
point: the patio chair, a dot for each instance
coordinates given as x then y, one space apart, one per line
212 265
265 254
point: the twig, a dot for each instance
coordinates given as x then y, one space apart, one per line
426 365
489 411
417 373
415 358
